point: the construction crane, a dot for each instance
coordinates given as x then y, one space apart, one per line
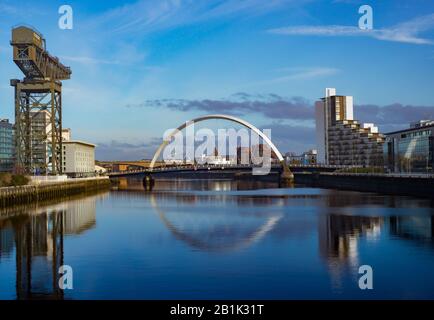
38 104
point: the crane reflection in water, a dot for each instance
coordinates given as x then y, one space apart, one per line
37 235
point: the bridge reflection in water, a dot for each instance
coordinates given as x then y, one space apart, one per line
343 221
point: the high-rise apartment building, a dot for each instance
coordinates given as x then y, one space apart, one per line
341 140
328 111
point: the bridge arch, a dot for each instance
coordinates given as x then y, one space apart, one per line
223 117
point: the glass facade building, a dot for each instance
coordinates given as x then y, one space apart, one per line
6 146
410 150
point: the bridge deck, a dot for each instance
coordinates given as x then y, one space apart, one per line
190 168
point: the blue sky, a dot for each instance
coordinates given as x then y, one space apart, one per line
143 66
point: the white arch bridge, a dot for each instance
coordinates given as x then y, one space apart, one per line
286 173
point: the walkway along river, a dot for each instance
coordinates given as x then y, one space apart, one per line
50 190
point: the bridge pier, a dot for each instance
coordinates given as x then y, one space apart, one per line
148 182
286 178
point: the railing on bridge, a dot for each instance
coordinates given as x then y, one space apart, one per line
223 167
188 167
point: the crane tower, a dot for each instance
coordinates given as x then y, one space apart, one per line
38 104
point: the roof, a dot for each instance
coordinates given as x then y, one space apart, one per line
336 95
410 129
79 142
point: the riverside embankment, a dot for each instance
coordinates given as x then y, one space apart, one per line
51 190
411 185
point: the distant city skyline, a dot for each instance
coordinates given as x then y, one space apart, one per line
142 67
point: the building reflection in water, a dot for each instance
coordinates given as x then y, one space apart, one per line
340 232
419 229
338 237
37 234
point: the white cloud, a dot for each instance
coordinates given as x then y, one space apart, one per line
88 60
307 73
297 74
126 54
151 15
407 32
7 9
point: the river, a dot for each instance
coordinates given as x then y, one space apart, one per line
219 239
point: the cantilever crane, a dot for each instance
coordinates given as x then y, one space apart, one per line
38 104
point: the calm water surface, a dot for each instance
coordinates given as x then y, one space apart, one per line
219 239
